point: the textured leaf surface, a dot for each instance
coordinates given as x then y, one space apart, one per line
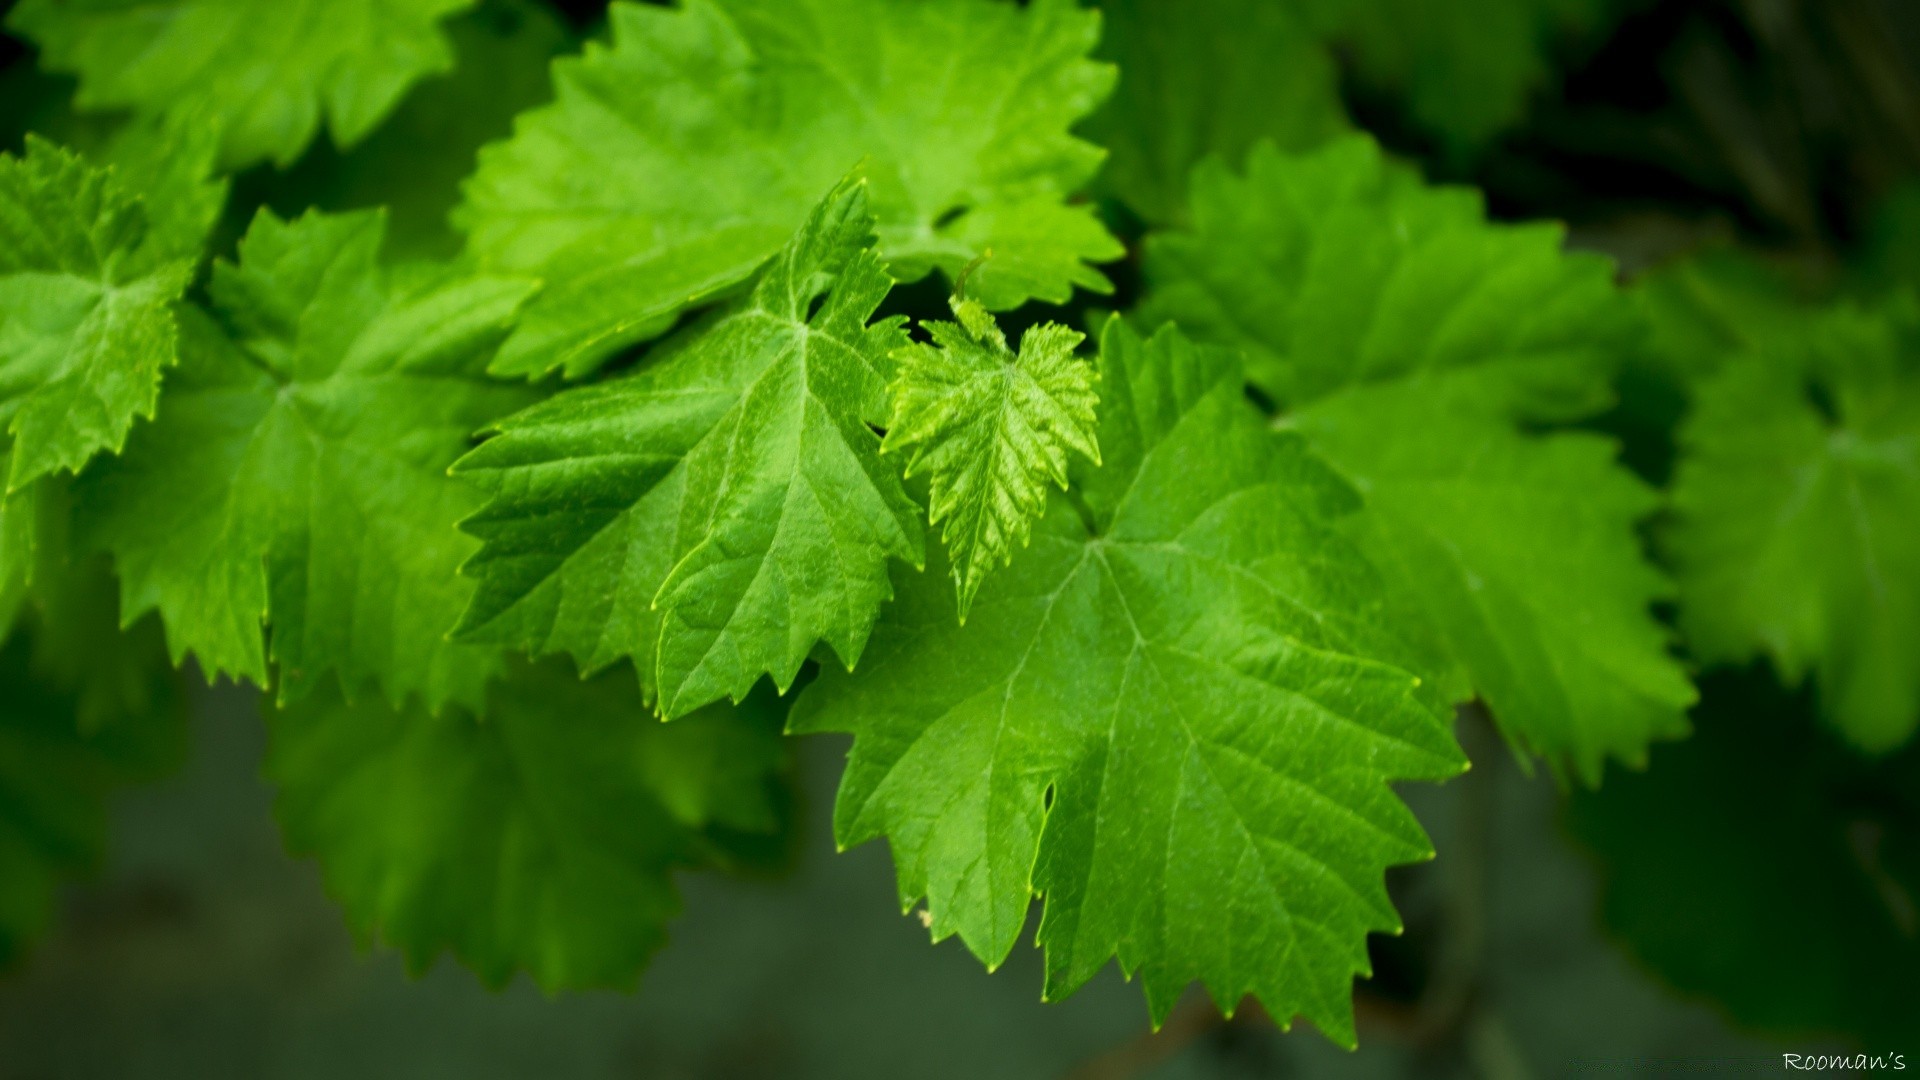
1798 515
86 311
677 159
1158 724
264 73
297 475
1763 827
55 776
539 837
718 512
1406 336
990 428
1204 78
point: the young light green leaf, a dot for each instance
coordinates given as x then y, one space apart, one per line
297 476
1161 726
263 73
86 311
677 159
1798 515
990 428
1407 336
540 836
720 511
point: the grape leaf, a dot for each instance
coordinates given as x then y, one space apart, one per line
1762 827
264 73
540 836
676 160
1407 337
1797 506
1713 304
1206 78
86 311
718 512
1467 67
991 428
55 775
297 475
1159 725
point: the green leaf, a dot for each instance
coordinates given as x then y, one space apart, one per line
86 311
55 775
1711 305
1410 340
1160 726
263 73
1765 828
1207 78
1466 68
990 428
538 837
173 163
1798 515
1521 552
297 475
718 512
680 157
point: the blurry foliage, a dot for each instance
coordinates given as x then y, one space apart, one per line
1764 864
1752 165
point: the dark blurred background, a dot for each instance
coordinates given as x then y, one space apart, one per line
204 951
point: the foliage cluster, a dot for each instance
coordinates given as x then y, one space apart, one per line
569 383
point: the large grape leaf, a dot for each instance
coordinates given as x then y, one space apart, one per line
538 836
990 427
297 476
1763 827
1797 506
678 158
1408 339
717 513
86 311
1154 718
1206 78
65 747
263 73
